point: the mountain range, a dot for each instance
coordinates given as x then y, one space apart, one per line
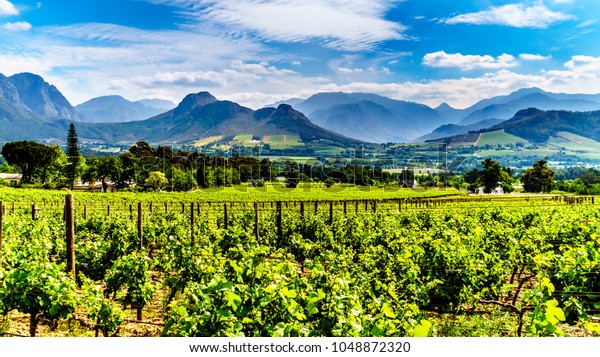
32 109
373 118
201 115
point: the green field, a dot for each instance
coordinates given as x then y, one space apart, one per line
572 142
498 137
206 141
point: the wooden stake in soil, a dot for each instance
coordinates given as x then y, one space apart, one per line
301 210
279 227
225 218
85 212
33 212
108 211
1 217
330 212
166 208
192 224
70 234
256 220
139 226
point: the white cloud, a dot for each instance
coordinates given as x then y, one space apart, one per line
17 26
351 25
296 63
584 64
468 62
7 8
514 15
533 57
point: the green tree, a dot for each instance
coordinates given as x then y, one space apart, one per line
540 178
156 180
30 157
73 157
490 176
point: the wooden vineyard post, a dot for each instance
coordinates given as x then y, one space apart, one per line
13 207
33 212
139 226
150 207
301 210
1 218
166 208
108 211
70 235
130 212
356 207
316 207
279 222
256 220
330 212
85 212
182 207
225 218
141 239
192 239
345 208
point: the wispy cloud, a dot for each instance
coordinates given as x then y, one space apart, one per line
350 25
17 26
533 57
588 23
468 62
514 15
7 8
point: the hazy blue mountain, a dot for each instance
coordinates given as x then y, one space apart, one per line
114 108
31 91
537 99
449 114
292 101
370 117
157 103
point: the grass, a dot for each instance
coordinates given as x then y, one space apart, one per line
277 142
498 137
206 141
573 142
243 137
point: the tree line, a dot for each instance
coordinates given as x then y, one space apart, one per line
144 167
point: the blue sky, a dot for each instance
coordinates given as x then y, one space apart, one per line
256 52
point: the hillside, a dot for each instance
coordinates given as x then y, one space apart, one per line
538 126
201 116
454 129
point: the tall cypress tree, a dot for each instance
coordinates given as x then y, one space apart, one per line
72 155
